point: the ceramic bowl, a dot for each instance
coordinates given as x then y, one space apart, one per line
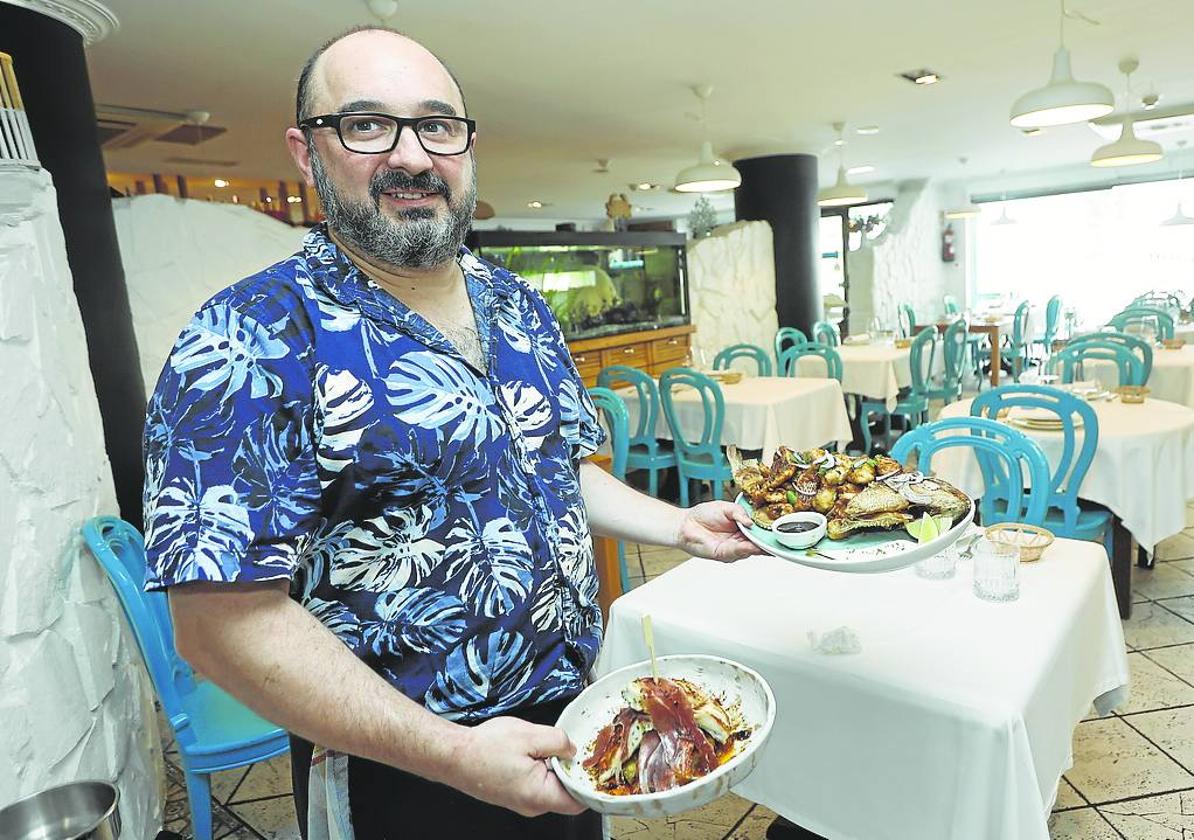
597 705
803 539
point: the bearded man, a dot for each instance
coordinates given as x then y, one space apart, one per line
365 491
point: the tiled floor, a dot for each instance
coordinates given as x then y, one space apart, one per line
1133 773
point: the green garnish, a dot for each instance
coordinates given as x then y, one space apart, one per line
791 496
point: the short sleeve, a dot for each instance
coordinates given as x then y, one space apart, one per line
231 484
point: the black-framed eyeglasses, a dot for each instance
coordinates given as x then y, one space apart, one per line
370 133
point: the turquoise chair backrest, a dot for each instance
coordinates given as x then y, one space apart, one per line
954 352
920 359
120 550
1052 320
1135 316
827 334
950 304
617 418
1135 343
1020 325
708 441
786 336
1076 416
791 355
1159 300
1068 360
756 354
907 318
1007 453
643 433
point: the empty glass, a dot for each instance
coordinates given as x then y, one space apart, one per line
996 566
942 565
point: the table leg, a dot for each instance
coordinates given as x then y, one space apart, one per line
995 360
1143 559
1121 568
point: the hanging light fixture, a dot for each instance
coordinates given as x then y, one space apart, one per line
1128 150
1063 100
1004 218
841 193
711 173
1179 217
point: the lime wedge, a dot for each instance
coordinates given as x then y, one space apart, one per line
944 523
924 529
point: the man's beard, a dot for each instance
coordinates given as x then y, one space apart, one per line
419 239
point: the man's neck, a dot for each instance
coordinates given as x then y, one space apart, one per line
410 285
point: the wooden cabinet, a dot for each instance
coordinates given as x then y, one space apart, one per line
651 350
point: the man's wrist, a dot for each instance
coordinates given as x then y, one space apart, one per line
443 745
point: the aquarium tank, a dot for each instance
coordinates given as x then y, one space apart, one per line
597 284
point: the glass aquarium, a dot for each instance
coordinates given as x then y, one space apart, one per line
597 284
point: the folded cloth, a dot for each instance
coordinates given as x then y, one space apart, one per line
841 640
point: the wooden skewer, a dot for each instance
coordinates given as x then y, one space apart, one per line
649 638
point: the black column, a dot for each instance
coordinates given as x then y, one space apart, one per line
52 72
782 190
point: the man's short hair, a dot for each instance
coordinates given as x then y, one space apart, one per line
302 101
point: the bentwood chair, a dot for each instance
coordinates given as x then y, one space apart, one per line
1017 351
617 419
786 337
698 451
1135 317
949 305
1068 360
913 405
1015 471
907 317
645 451
826 333
954 353
791 356
725 358
1067 516
1142 348
214 731
1052 322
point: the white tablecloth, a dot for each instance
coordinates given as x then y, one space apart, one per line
1185 331
763 412
1172 377
1143 468
955 720
878 371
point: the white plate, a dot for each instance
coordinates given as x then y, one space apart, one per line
865 551
597 705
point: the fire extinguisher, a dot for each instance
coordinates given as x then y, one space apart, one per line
947 244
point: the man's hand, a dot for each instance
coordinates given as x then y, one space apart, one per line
504 762
711 530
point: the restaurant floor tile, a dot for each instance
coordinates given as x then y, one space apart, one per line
1067 797
1081 824
1164 580
1152 625
1172 730
1178 547
1177 660
1169 816
1153 687
1113 761
271 818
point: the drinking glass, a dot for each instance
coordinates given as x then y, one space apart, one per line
995 571
942 565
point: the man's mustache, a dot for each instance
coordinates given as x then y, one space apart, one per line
395 180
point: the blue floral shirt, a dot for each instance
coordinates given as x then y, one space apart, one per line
309 426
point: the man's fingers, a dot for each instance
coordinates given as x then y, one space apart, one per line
557 799
548 741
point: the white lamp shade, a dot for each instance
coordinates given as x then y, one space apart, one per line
1063 100
711 174
1128 150
841 193
1178 218
1004 218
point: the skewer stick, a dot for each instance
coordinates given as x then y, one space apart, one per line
649 638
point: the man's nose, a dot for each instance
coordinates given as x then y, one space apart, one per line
409 154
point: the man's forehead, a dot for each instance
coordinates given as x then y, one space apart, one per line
387 70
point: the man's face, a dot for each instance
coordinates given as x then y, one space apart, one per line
407 208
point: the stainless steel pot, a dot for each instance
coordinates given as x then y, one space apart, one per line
76 811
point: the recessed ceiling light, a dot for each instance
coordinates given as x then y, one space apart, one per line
922 76
535 205
860 170
1032 132
220 183
867 129
643 186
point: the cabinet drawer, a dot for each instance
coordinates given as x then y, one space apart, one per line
669 349
634 355
659 368
588 364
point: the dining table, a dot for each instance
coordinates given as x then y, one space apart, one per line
875 370
1142 471
994 327
953 719
763 413
1171 379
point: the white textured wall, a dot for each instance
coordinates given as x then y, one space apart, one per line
73 698
179 252
731 277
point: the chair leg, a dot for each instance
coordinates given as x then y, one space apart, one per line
653 482
199 794
683 488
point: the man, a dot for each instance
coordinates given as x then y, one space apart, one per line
363 474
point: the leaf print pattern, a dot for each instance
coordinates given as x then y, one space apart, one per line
309 426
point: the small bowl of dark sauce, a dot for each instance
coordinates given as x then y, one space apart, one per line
799 530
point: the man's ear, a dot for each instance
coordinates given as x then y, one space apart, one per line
300 153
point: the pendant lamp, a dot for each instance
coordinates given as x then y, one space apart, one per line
1063 100
1128 150
711 173
841 193
1179 217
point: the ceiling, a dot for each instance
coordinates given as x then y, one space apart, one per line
556 85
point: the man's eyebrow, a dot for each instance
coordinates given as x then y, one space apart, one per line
437 106
360 105
434 106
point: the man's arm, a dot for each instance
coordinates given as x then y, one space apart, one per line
618 511
274 656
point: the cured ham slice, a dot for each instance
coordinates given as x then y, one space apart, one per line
615 744
685 749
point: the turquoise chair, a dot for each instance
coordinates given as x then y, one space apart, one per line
954 352
698 457
913 405
1135 316
1052 322
1068 360
1134 343
1009 495
617 418
1159 300
791 356
756 354
1067 516
213 729
1017 351
826 333
645 451
949 304
907 318
785 337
